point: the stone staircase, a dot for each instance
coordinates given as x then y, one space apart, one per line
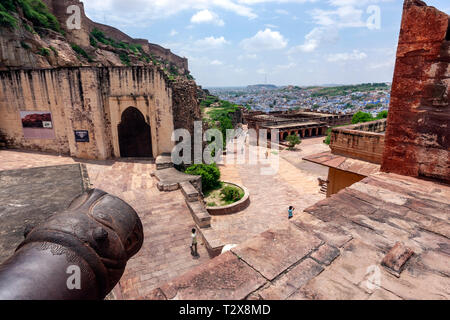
323 184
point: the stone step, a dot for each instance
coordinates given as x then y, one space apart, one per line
164 161
201 216
190 193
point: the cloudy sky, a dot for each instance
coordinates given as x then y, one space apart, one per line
242 42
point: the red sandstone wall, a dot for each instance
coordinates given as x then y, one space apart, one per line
418 134
362 141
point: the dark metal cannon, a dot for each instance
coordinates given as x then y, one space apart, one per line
79 254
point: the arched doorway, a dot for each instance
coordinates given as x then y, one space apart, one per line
135 138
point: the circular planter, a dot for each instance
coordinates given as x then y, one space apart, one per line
234 207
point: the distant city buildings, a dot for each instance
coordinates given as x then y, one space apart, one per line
368 98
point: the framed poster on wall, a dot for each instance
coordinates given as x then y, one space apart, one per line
81 136
37 124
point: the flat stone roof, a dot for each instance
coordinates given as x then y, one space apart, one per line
29 196
338 249
343 163
297 124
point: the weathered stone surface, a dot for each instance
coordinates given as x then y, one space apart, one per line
326 254
328 232
156 294
396 259
329 287
224 278
277 249
170 179
201 216
293 280
190 193
164 161
30 196
417 137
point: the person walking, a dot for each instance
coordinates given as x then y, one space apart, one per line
291 212
194 251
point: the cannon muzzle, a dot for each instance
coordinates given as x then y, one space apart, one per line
78 254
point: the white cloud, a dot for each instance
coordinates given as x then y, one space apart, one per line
248 56
173 33
316 38
216 63
211 43
354 55
265 40
131 12
206 16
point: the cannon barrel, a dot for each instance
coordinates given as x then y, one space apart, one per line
78 254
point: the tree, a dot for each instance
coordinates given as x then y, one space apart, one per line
210 175
382 115
293 140
360 117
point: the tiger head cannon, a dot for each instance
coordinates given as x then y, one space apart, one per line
79 254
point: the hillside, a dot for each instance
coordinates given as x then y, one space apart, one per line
34 34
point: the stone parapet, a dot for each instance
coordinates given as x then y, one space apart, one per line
360 141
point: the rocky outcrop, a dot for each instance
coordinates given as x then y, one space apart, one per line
418 134
30 46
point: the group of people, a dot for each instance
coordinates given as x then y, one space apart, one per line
194 244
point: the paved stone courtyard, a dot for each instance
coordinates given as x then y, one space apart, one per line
166 218
294 184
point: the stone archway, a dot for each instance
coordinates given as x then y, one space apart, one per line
135 138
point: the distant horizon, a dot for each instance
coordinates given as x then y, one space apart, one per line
294 85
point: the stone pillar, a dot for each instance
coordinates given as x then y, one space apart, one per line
418 135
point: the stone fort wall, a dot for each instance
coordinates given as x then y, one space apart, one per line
86 98
418 134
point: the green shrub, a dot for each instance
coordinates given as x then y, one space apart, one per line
25 45
125 59
8 5
361 117
80 51
328 138
293 140
44 52
7 20
54 51
382 115
93 41
29 28
37 12
231 194
210 175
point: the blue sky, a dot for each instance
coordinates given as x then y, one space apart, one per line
241 42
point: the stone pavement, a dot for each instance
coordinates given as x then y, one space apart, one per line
28 197
270 195
336 250
165 217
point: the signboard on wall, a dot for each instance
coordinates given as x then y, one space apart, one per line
81 136
37 124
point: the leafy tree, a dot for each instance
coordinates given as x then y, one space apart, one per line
382 115
293 140
210 175
360 117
